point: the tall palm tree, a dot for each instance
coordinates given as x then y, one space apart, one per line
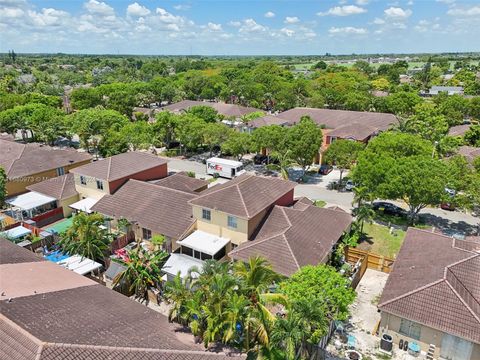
176 293
85 237
364 213
143 272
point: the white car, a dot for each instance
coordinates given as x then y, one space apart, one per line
349 185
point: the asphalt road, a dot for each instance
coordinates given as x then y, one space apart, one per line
455 221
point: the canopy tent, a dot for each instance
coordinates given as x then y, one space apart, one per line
16 233
204 242
30 200
80 265
84 205
180 263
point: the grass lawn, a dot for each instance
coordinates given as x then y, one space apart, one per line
320 203
380 241
61 226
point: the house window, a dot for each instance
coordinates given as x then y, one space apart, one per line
232 222
83 180
146 234
99 184
206 214
219 255
410 329
60 171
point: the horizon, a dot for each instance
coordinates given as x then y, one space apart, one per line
235 28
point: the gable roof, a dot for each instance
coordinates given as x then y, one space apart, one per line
355 131
266 121
458 130
438 287
28 159
245 196
333 119
294 237
181 181
222 108
120 166
60 187
470 152
76 318
160 209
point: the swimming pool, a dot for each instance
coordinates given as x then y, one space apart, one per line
56 256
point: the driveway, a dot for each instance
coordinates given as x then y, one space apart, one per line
176 164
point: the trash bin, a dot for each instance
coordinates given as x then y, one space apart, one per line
386 343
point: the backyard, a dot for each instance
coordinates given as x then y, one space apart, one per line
380 240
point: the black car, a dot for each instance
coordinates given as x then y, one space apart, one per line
388 208
325 169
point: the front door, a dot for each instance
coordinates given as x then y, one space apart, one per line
455 348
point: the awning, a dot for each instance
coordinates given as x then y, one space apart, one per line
16 232
204 242
30 200
84 205
79 265
180 263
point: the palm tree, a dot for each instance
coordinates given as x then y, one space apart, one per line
284 162
85 237
364 213
143 272
176 293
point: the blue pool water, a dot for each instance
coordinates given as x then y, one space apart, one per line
56 256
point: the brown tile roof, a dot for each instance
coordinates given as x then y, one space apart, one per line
245 196
60 187
267 120
9 254
28 159
181 181
435 282
333 119
162 210
470 152
222 108
120 166
294 237
84 322
355 131
458 130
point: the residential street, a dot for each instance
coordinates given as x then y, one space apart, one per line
449 221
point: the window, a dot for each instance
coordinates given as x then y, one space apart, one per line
410 329
220 254
83 180
99 184
147 234
206 214
232 222
60 171
187 251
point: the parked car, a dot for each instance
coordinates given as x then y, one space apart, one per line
447 206
349 185
388 208
325 169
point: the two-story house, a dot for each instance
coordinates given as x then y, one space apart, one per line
95 180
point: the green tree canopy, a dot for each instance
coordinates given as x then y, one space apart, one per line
343 154
204 112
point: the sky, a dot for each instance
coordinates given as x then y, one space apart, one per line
239 27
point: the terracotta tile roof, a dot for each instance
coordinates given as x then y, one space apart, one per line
28 159
245 196
458 130
9 254
181 181
470 152
438 287
60 187
162 210
120 166
294 237
222 108
355 131
333 119
85 322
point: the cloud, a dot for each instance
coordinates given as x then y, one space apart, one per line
182 7
98 8
287 32
269 14
170 21
235 23
464 12
138 10
48 17
397 13
362 2
448 2
345 10
291 20
251 26
214 27
378 21
9 12
347 30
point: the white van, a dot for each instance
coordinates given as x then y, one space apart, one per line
224 167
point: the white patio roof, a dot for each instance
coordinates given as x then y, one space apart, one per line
181 263
16 232
84 205
204 242
79 265
30 200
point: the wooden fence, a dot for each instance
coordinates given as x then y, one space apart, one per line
373 261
